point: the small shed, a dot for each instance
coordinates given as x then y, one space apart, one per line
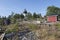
52 18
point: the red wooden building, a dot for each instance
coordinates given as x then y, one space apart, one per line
52 18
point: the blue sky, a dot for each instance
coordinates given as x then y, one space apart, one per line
17 6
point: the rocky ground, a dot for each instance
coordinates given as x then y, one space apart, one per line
41 32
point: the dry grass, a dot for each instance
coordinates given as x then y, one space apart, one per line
48 32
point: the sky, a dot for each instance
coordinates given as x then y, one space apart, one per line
17 6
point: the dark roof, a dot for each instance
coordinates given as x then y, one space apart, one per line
52 15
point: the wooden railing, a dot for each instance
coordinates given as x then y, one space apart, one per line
2 36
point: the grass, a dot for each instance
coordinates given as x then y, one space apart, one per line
57 25
12 28
32 26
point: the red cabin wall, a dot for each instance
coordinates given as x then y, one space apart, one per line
52 18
